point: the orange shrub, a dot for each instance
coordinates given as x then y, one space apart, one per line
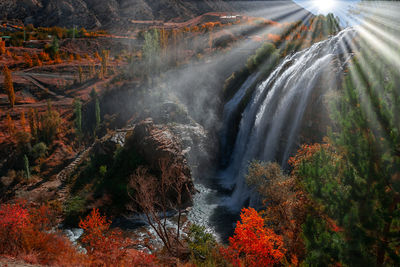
97 56
58 59
24 233
253 244
2 47
107 247
36 60
306 152
44 56
14 56
28 60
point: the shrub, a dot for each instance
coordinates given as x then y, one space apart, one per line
253 244
285 202
36 60
204 248
44 56
107 247
74 207
39 151
103 170
2 47
28 60
24 232
49 125
200 241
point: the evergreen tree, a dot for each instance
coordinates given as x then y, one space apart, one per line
10 125
151 51
27 168
80 73
356 187
8 85
97 113
95 98
104 62
55 46
32 123
23 121
49 125
78 116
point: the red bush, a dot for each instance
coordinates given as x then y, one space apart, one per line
107 247
253 244
24 234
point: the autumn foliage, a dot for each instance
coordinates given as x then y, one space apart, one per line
8 85
253 244
306 152
28 60
25 233
2 47
107 247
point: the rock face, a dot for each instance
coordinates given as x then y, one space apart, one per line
198 148
155 143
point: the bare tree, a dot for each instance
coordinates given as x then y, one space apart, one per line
156 197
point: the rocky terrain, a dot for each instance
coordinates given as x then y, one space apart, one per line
114 14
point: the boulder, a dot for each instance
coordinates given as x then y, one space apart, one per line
155 143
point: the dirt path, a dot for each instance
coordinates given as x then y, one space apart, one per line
9 262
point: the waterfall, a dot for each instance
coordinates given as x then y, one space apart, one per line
272 119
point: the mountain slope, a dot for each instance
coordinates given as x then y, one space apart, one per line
113 13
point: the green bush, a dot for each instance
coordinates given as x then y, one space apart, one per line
39 151
262 54
74 208
201 245
103 170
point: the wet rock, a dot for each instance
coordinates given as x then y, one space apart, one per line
156 142
197 146
171 112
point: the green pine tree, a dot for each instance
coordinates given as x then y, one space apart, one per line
78 116
26 166
151 52
357 185
95 98
97 113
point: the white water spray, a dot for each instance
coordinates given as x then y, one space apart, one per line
276 111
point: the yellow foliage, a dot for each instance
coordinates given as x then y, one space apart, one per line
8 85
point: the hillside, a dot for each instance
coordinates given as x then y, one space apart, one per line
117 13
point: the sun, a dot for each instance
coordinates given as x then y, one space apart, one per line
324 6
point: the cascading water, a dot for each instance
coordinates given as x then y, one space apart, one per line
270 123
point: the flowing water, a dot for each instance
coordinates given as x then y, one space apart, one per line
268 129
270 124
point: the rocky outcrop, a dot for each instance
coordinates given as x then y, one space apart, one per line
156 143
198 148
